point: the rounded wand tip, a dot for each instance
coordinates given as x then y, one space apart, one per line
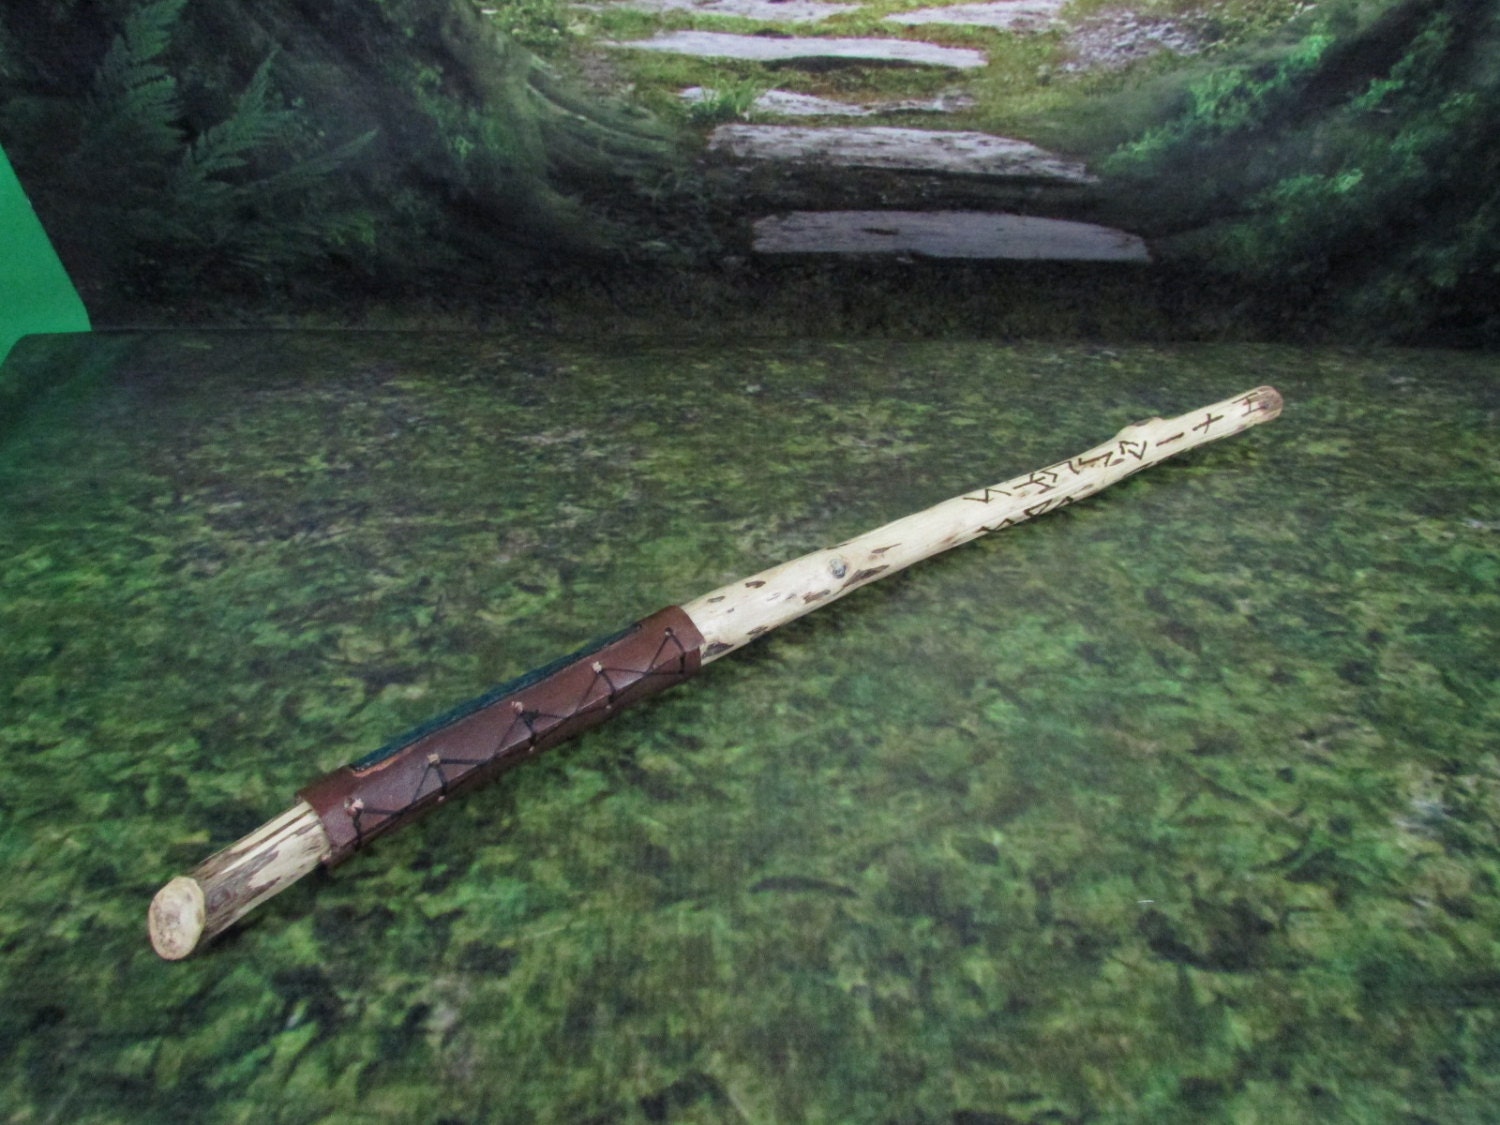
176 918
1267 400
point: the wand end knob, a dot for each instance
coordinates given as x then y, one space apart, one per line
1265 401
192 908
176 919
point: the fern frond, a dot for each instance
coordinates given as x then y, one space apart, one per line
130 60
229 144
306 172
134 96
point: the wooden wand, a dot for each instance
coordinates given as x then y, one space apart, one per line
343 811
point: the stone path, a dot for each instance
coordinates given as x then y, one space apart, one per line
787 103
958 153
772 11
1004 15
756 48
945 234
890 189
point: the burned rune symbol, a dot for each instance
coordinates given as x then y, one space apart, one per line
1044 479
1047 506
1208 420
1136 449
984 497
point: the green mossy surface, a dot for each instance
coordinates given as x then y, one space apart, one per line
1178 805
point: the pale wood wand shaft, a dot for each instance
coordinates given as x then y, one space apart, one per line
194 907
738 613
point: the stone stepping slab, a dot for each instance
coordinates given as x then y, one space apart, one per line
1114 40
890 147
770 11
1002 15
946 234
787 103
758 48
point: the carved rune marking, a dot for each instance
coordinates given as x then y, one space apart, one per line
1044 479
1170 440
984 498
1136 449
1208 420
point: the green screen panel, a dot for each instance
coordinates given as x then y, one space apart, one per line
35 293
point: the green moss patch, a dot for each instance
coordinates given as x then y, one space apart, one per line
1178 805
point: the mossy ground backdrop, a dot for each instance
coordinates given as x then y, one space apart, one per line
1178 805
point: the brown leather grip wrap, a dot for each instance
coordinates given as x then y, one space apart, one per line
472 744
